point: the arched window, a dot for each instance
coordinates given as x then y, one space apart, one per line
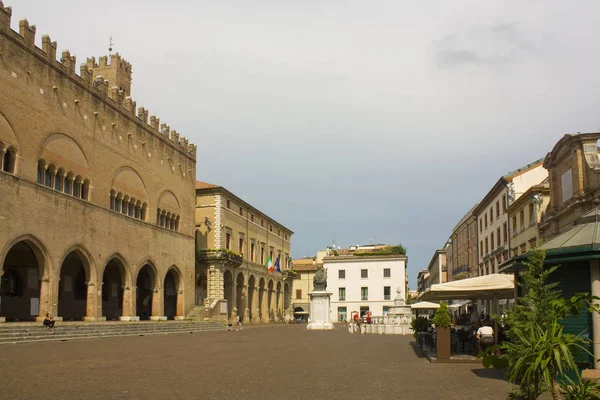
85 189
137 211
143 212
118 202
124 205
130 206
158 216
49 176
77 186
177 223
40 172
112 200
59 179
68 189
8 163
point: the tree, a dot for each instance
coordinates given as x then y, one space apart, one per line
537 350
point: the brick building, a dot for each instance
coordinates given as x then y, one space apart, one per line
97 200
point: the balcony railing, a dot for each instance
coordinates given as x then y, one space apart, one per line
219 255
461 269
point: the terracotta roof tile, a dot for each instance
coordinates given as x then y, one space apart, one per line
205 185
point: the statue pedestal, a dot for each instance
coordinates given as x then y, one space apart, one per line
319 311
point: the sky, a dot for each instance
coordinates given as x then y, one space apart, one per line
353 121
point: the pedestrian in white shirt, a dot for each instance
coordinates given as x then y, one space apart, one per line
485 336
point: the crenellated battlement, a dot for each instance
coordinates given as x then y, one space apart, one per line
108 79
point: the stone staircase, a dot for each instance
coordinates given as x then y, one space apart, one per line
196 314
36 332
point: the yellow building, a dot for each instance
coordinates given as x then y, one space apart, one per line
525 215
303 284
234 242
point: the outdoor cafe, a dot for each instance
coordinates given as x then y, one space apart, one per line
490 289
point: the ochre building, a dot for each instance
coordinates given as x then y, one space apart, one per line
234 242
97 199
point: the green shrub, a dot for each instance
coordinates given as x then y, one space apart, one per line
419 324
442 317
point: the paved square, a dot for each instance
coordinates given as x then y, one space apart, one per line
282 362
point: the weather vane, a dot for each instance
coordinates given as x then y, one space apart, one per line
110 44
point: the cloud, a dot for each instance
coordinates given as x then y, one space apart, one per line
492 46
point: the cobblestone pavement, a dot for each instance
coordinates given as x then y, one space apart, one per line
282 362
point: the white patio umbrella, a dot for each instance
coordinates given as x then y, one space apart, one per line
424 305
493 286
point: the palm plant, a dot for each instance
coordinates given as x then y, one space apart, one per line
545 353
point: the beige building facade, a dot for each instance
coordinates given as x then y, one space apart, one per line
234 241
492 215
96 198
461 254
438 271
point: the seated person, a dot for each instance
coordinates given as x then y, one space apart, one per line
49 321
485 336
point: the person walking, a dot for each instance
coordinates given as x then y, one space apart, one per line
239 324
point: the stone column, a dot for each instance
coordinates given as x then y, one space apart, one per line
93 305
233 305
271 304
215 283
264 317
595 283
255 308
45 298
129 304
247 306
179 311
158 305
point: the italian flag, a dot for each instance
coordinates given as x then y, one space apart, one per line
269 264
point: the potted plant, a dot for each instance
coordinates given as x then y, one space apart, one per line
442 321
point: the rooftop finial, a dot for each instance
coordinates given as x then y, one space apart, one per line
110 45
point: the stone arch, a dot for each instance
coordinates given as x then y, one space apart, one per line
129 182
228 290
173 293
116 288
169 202
252 298
147 284
59 146
91 272
24 277
240 296
8 158
7 133
38 248
76 286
